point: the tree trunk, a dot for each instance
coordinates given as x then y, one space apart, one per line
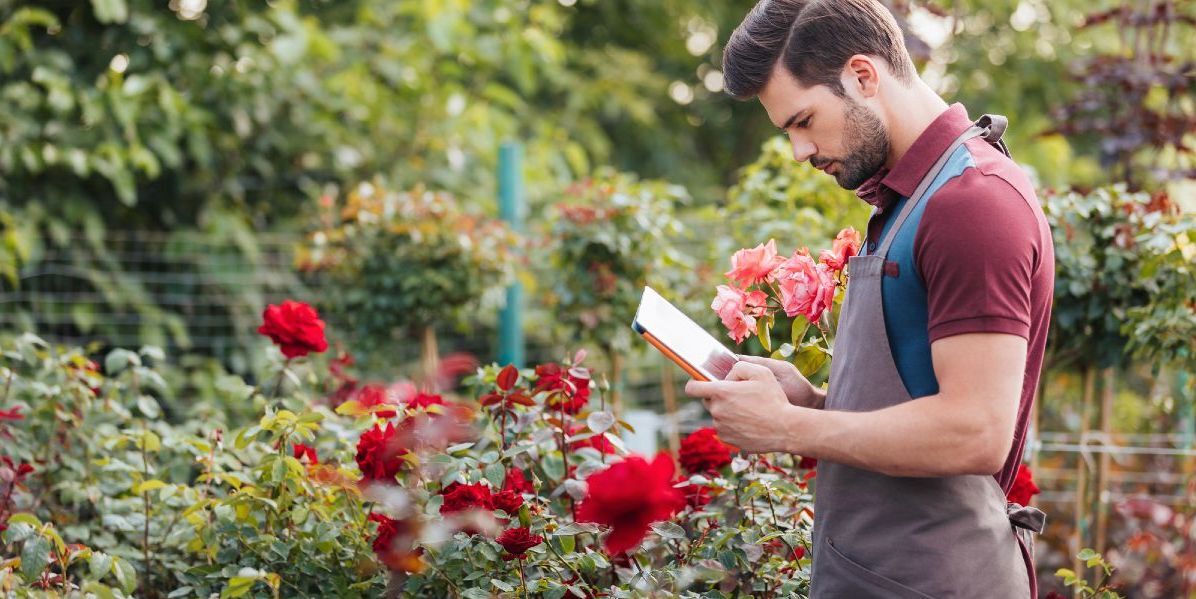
616 382
429 357
1081 503
668 390
1108 394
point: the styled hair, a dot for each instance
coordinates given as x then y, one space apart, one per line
813 39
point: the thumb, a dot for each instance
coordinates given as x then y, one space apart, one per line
750 371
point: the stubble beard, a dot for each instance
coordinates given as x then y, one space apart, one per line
867 142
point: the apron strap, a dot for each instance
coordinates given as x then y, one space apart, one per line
1026 517
990 127
923 185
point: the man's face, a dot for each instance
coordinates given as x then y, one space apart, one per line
839 136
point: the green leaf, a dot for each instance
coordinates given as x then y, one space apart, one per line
110 11
568 543
148 406
238 586
783 352
148 485
18 531
495 473
99 565
810 359
796 332
669 530
1087 554
35 556
119 359
126 576
501 585
763 332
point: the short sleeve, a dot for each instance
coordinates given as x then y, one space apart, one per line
977 250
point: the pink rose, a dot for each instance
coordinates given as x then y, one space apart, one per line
738 310
749 267
846 245
807 288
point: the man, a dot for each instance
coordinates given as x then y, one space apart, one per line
941 337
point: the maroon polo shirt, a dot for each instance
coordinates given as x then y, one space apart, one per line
982 257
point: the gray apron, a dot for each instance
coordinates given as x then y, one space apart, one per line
884 536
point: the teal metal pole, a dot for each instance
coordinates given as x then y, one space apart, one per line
511 209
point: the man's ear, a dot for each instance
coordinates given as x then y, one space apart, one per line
862 76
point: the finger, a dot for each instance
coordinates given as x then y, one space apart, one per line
706 389
747 371
754 359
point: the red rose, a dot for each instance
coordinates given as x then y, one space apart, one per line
599 441
1023 486
295 328
374 396
421 401
629 496
379 454
507 501
808 463
702 451
393 544
459 497
301 450
517 482
12 415
516 542
568 391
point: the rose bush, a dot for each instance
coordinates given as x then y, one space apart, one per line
521 486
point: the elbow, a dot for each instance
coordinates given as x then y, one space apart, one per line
985 454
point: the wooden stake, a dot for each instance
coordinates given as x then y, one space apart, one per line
668 390
429 357
1108 394
1081 503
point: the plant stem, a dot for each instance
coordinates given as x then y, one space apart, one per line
146 500
522 580
278 381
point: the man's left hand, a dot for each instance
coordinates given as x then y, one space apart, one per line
746 407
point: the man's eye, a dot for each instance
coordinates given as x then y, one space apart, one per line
804 123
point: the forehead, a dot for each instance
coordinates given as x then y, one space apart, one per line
783 96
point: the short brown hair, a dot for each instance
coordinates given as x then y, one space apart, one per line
813 39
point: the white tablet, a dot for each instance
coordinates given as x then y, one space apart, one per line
681 339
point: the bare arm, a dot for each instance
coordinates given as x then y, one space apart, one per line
966 428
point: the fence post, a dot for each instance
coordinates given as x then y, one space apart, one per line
511 209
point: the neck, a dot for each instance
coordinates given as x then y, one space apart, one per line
910 112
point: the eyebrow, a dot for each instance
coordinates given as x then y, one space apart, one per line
793 118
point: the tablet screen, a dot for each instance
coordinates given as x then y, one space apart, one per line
684 337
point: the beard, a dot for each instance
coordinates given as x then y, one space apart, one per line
867 142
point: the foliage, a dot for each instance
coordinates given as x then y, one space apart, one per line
1132 98
775 198
400 260
612 235
105 495
1115 253
1091 559
144 504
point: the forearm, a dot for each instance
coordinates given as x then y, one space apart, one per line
931 436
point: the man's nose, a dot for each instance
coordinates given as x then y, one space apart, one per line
802 149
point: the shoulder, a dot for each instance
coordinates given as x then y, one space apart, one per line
990 207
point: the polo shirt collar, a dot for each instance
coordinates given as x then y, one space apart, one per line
888 184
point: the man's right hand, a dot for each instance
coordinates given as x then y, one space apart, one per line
798 389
